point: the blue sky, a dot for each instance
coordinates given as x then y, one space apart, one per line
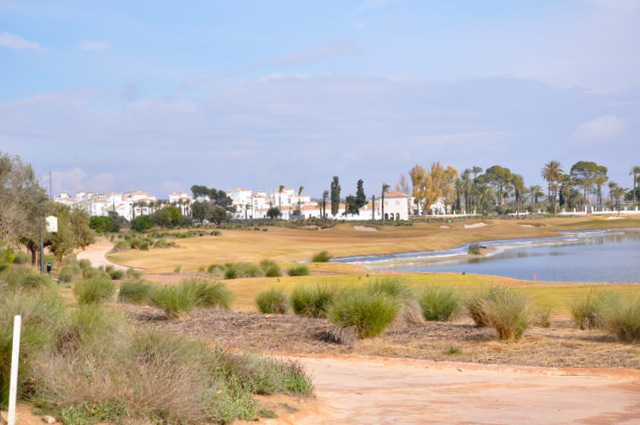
162 95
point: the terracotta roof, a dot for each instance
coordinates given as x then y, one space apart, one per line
396 194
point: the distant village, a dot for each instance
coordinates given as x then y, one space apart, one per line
248 204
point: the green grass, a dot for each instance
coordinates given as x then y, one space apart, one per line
440 303
272 301
312 300
366 313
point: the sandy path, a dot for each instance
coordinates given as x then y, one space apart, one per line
96 254
365 390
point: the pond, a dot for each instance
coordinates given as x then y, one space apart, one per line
583 256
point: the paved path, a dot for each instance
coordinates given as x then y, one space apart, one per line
366 390
96 254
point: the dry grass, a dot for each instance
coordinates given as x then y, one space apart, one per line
288 245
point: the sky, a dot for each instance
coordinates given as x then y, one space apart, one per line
162 95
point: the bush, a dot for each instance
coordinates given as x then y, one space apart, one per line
21 258
210 294
392 286
270 268
299 271
135 292
367 313
69 272
321 257
622 317
133 274
42 314
313 300
272 301
174 300
588 309
25 279
94 290
474 249
507 312
116 274
240 270
440 303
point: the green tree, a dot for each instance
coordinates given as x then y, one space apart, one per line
23 203
361 198
219 215
335 196
161 217
552 173
273 213
142 223
101 224
498 177
418 175
175 214
325 196
536 192
586 174
517 181
616 193
73 231
201 210
118 221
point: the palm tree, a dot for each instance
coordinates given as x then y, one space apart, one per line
518 187
599 181
280 189
552 173
299 201
385 189
616 193
536 192
635 170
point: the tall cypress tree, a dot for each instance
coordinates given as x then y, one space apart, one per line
335 196
361 198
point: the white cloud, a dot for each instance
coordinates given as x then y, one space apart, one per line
96 46
338 49
602 130
14 41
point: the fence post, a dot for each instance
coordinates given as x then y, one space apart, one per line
13 385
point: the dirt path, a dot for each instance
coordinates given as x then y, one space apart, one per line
96 254
368 390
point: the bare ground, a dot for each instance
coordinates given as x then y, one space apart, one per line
559 346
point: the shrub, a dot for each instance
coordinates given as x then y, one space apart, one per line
270 268
622 317
367 313
272 301
68 273
321 257
474 249
440 303
133 274
392 286
41 314
21 258
94 290
214 268
314 301
298 270
507 311
240 270
116 274
587 309
25 279
210 294
135 292
174 300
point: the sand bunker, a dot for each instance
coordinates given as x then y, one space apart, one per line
614 218
365 228
526 225
445 227
473 226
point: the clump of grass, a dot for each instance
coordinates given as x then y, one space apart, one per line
94 290
392 286
42 316
542 318
622 317
240 270
440 303
69 272
508 313
132 274
210 294
587 309
270 268
453 350
135 292
300 270
364 312
312 300
321 257
174 300
272 301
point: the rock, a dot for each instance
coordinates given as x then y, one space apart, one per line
49 419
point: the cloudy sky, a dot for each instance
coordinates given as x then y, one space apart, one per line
161 95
